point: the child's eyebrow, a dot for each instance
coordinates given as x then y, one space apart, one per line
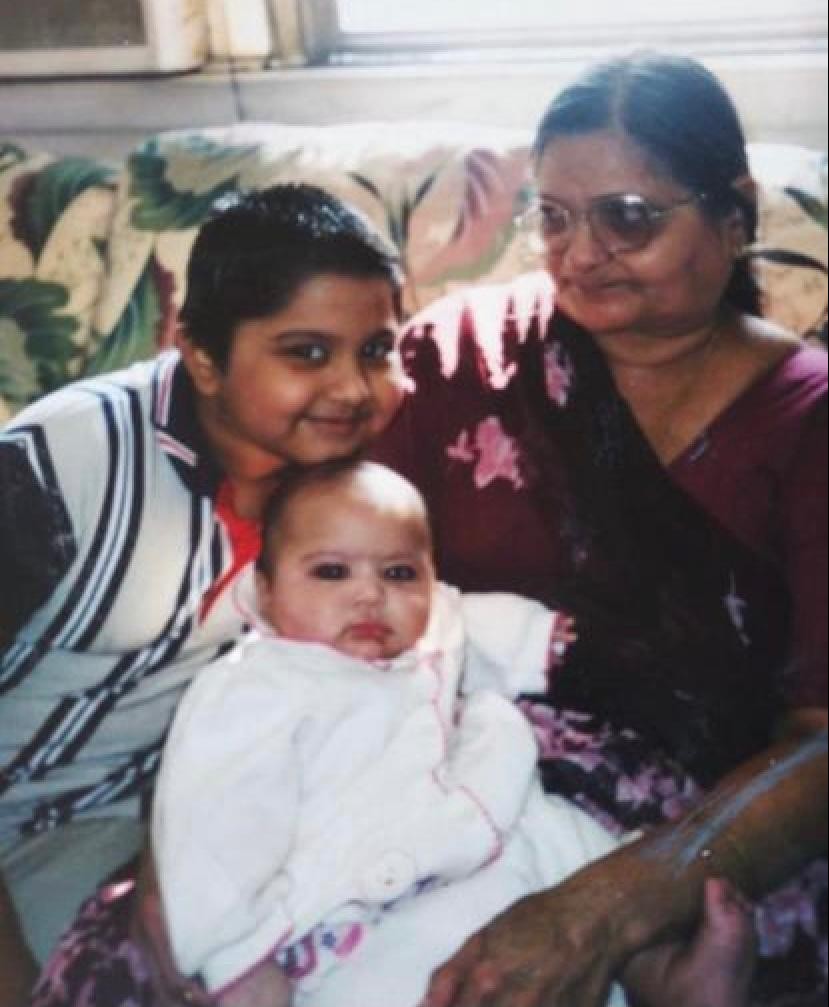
288 334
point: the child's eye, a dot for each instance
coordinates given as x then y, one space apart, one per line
378 350
404 572
330 571
311 353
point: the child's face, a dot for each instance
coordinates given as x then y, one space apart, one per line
350 573
312 382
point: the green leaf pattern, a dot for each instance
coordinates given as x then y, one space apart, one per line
159 204
133 338
10 156
32 321
53 190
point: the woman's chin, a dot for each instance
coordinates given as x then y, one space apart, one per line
603 311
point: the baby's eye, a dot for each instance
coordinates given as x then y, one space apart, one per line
330 571
404 572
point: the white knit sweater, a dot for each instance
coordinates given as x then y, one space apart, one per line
297 780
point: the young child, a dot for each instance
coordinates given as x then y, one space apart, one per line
130 510
351 793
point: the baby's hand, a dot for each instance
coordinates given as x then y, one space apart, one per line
562 637
267 986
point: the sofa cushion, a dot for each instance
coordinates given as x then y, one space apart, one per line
55 216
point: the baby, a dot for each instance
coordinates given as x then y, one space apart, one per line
352 793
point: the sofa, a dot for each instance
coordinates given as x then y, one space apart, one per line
93 255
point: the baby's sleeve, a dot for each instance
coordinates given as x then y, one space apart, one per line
223 824
508 643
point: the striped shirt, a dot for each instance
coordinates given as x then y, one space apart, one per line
112 537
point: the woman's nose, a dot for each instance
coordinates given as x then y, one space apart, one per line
584 250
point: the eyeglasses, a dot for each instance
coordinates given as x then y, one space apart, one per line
620 222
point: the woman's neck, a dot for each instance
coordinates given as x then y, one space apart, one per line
668 352
673 384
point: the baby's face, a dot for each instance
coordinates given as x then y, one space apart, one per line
350 573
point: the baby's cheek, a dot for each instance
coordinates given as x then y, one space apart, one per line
417 619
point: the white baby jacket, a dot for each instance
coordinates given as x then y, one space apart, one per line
297 780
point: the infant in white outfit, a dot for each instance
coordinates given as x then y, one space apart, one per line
352 793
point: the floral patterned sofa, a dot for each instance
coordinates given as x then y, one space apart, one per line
92 255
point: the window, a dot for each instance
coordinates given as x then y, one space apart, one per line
87 37
344 31
40 24
41 37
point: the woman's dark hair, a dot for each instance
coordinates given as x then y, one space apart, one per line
682 117
252 256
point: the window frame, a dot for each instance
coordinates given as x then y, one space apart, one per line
325 43
175 41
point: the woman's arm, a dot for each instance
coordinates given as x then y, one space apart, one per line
564 946
18 970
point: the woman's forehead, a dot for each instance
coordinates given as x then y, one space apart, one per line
600 162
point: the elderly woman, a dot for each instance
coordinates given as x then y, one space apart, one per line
651 454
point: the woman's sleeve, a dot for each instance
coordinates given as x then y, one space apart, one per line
37 544
804 511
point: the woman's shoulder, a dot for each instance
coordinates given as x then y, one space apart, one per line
779 417
786 371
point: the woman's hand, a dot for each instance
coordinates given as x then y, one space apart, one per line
562 947
520 962
149 932
549 950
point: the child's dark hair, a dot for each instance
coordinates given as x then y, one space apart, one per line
682 117
252 256
296 480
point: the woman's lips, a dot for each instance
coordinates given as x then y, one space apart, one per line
592 288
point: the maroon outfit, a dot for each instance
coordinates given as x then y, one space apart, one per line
761 470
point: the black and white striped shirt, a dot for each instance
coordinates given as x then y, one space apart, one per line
109 543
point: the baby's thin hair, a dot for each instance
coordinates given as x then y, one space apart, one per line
295 481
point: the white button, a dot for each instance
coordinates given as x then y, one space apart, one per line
390 877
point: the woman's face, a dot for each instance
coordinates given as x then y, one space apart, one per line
312 382
672 284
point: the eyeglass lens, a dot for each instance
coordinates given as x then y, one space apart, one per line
622 223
